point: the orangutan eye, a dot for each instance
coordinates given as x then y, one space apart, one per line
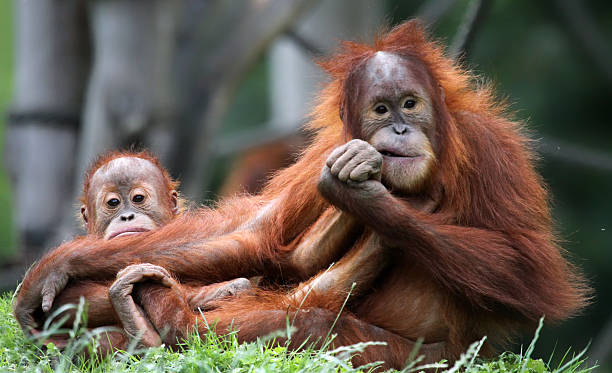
381 109
138 198
113 202
409 104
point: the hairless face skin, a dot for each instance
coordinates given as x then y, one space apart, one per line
128 196
391 109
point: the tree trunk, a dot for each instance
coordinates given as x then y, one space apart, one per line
52 62
130 94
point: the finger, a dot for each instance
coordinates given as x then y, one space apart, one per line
47 301
362 172
164 271
240 283
369 168
156 274
142 267
335 155
343 160
121 288
141 273
123 271
121 299
134 276
52 286
365 153
162 278
133 268
168 282
346 171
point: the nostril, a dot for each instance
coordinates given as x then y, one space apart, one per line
400 129
127 217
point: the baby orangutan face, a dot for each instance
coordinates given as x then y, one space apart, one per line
128 195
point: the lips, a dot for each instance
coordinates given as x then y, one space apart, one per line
398 153
128 232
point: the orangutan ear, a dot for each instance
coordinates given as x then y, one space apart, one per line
84 214
174 201
441 91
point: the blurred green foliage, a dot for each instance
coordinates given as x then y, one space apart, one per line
7 236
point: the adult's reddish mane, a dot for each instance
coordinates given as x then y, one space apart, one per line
485 261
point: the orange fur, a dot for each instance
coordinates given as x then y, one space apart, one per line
96 293
486 258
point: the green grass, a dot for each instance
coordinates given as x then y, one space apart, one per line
212 353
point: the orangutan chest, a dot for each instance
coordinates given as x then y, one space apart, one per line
407 301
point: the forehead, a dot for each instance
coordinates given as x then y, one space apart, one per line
389 74
126 171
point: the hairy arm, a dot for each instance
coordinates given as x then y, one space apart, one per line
522 270
187 247
242 237
356 270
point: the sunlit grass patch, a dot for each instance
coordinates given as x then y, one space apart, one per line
214 353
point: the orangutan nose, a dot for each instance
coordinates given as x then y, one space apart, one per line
127 217
400 128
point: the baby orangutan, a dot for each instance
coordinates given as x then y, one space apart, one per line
127 193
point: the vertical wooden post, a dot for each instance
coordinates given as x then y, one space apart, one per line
51 66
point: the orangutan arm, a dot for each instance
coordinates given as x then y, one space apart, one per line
523 271
179 247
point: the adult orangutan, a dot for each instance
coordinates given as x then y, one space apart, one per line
433 205
127 193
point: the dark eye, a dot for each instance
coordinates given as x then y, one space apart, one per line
138 198
409 104
113 202
381 109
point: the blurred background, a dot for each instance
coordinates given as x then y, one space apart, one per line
219 89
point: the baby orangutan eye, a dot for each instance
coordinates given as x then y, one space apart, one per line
113 202
409 104
381 109
138 198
